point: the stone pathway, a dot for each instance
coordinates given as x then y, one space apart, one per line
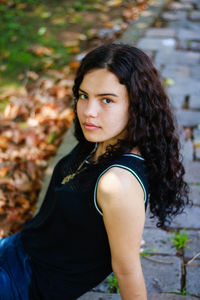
175 49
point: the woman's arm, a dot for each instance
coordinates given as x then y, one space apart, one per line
121 200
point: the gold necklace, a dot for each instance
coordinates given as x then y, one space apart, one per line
71 176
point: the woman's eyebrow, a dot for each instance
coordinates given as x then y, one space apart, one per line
104 94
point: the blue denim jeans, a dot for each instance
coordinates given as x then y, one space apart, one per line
15 269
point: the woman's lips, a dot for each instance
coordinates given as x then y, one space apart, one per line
90 126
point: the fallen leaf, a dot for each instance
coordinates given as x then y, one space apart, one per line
40 50
74 64
72 43
130 14
46 14
68 114
4 142
58 21
13 38
47 63
3 172
168 81
66 83
114 2
21 5
42 30
101 7
73 50
21 181
32 75
3 67
108 24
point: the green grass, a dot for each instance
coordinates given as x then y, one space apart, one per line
113 284
148 252
182 293
22 27
180 239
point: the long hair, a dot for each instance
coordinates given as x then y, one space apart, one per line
151 125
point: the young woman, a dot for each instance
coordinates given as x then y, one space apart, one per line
93 214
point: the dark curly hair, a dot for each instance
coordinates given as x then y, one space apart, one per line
151 125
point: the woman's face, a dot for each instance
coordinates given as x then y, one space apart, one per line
102 107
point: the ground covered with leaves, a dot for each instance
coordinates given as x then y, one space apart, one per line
42 44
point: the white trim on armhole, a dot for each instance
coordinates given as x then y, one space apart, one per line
123 167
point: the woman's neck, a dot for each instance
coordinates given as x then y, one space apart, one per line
101 149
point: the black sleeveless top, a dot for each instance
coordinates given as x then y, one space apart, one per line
66 241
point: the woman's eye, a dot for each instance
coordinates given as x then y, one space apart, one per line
82 96
106 100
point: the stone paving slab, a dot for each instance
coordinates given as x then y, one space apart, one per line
174 15
160 32
195 194
152 44
176 71
194 15
187 34
194 102
150 223
187 24
187 150
188 219
193 278
194 45
192 172
177 57
193 246
151 296
156 270
195 72
190 1
184 86
183 220
187 117
177 100
99 296
158 241
180 6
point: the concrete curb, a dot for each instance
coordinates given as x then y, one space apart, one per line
145 20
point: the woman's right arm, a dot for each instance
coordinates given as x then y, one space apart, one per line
121 199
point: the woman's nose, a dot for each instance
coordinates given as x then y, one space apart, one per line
91 108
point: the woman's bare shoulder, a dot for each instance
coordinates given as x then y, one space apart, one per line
118 184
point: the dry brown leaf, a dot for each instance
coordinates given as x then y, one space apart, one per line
66 83
67 113
67 36
74 64
21 181
3 172
72 43
108 24
21 5
58 92
11 111
40 50
4 142
114 3
32 75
